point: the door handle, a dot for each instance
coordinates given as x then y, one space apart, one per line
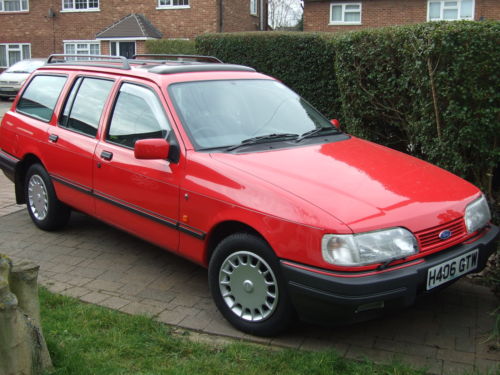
106 155
53 138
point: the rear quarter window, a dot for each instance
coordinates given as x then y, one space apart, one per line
40 97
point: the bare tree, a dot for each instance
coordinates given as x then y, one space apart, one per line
284 13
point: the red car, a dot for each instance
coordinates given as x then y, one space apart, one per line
231 169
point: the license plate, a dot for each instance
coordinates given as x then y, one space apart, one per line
452 269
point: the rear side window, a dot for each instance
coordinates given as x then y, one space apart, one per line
138 114
83 108
40 97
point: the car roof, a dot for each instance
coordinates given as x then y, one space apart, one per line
154 67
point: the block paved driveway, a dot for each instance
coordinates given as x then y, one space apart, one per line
446 333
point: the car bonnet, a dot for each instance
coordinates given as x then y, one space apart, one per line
364 185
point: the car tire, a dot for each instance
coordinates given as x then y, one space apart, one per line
246 284
46 211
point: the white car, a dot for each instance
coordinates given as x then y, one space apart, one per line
12 79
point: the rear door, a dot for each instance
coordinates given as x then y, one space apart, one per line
72 143
25 129
140 196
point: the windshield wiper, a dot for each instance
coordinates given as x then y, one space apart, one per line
262 139
312 133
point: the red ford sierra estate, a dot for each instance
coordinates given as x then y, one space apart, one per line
231 169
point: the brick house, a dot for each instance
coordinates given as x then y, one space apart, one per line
342 15
37 28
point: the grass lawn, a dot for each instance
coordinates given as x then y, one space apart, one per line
88 339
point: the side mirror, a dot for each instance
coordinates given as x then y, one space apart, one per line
335 123
151 149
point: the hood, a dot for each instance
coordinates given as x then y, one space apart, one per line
13 78
364 185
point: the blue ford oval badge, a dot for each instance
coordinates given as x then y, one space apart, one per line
445 234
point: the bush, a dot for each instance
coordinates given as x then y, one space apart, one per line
174 46
430 90
303 61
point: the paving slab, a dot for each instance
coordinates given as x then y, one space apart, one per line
447 333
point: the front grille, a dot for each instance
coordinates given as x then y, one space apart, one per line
428 239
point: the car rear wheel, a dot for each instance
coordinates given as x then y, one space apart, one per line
247 286
46 211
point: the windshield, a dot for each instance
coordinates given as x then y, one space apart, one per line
25 66
226 113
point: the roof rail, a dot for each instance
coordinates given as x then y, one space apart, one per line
180 58
118 62
165 69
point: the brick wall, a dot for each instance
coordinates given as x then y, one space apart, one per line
173 23
378 13
46 35
237 16
487 10
33 27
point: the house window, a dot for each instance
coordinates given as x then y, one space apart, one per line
13 5
12 53
172 4
345 14
444 10
80 5
81 48
253 7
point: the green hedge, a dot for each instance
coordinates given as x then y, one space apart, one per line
174 46
431 90
303 61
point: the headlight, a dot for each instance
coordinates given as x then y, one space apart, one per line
368 248
477 215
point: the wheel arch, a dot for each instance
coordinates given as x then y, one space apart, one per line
21 169
225 229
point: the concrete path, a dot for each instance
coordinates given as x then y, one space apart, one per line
446 333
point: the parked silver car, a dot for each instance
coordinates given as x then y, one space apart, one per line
12 79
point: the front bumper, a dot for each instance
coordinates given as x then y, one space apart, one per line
322 296
9 91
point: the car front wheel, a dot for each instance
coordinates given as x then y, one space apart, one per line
46 211
247 286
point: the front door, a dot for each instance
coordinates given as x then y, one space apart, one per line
140 196
125 49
